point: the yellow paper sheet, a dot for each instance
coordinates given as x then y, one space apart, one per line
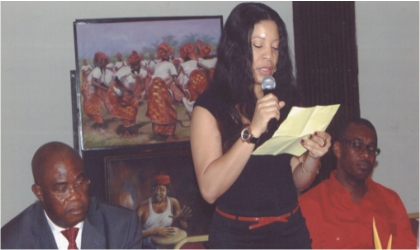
376 239
299 124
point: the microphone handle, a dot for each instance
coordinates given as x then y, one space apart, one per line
272 126
267 91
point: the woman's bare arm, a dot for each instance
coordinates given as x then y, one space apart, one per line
215 172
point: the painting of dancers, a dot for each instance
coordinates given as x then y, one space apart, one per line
138 78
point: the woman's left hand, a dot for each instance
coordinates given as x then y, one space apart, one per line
317 143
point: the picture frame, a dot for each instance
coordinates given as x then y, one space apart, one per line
133 117
75 110
129 183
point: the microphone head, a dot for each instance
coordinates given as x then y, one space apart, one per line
268 83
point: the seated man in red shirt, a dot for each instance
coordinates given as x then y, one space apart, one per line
339 211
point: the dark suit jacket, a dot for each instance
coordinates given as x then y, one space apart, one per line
105 226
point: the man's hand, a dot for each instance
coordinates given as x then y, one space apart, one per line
164 231
184 214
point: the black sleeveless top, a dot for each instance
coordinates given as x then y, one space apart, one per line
265 187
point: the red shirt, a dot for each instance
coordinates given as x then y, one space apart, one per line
334 221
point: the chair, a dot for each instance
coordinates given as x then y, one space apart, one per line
414 221
192 242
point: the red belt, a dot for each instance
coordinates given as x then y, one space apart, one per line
261 221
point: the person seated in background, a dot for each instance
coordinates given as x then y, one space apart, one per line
65 217
339 211
160 213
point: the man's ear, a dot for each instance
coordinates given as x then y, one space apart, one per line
36 189
337 149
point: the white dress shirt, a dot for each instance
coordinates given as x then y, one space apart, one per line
60 239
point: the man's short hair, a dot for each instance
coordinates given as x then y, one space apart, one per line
357 121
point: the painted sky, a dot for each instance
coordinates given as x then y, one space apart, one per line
125 37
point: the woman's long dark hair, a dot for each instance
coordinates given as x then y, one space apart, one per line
233 77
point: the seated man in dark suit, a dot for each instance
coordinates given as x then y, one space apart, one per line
65 217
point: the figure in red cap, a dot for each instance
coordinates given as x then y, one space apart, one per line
161 215
207 61
193 80
91 100
159 98
125 94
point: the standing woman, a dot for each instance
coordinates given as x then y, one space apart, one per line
256 196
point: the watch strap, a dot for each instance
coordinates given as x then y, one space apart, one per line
254 140
250 138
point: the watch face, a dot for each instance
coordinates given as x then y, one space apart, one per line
246 134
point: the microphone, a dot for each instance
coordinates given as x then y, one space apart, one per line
268 84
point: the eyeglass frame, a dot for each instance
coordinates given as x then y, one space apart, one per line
67 190
370 149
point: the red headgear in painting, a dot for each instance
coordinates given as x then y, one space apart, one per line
162 179
205 50
99 56
134 58
186 49
163 50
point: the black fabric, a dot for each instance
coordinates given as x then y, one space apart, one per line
265 187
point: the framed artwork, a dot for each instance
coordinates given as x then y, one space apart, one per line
132 182
75 110
138 78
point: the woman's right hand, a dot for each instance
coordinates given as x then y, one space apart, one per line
267 107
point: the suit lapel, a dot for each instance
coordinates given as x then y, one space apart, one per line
41 230
45 240
93 235
91 238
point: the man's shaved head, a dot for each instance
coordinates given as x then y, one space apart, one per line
49 153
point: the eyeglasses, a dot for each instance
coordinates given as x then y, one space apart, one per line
65 189
360 146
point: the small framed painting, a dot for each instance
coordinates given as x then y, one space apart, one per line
163 190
